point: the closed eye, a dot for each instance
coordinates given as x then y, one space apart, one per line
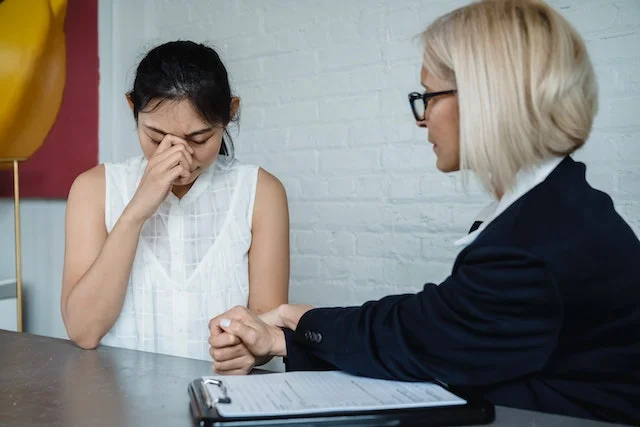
202 139
154 141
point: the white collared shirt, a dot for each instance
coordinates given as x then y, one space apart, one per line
526 180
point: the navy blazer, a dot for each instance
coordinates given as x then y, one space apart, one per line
541 312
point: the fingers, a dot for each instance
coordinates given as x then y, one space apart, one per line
179 171
238 366
248 335
229 353
164 145
223 340
242 328
233 360
238 312
171 154
169 141
234 313
177 161
236 372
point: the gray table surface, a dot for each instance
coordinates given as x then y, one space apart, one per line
51 382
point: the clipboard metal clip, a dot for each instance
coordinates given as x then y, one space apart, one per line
223 390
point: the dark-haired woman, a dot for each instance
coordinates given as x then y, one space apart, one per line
159 244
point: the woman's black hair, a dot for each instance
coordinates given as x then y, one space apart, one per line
180 70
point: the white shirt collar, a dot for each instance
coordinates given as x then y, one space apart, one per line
526 180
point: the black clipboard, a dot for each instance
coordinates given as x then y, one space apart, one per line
476 411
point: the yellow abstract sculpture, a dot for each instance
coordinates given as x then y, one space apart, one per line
32 78
32 73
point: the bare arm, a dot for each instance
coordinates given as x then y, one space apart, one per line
97 265
268 274
269 252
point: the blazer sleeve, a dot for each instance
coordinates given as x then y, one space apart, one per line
497 317
300 360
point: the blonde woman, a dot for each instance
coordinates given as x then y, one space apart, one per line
542 307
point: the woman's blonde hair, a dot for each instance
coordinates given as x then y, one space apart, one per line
526 86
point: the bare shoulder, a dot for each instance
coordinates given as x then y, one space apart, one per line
269 184
88 188
271 196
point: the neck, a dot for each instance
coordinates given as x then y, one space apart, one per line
180 190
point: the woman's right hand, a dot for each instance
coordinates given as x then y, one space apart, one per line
172 160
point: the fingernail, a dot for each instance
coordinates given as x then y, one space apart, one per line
225 323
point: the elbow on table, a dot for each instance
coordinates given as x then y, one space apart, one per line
86 340
87 344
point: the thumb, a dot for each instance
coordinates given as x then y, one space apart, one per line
235 327
248 335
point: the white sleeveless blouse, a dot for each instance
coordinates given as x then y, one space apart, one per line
192 258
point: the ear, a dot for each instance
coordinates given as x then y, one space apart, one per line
129 100
235 106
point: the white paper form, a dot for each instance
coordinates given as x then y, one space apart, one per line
294 393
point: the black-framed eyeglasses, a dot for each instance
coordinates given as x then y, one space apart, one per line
419 101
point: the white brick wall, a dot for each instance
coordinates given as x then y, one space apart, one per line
323 86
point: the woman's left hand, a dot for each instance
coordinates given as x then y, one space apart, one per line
241 326
231 360
230 356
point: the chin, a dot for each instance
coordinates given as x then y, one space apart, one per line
443 167
181 182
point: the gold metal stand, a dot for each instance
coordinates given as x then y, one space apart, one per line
18 249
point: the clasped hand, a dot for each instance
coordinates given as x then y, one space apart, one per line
240 339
